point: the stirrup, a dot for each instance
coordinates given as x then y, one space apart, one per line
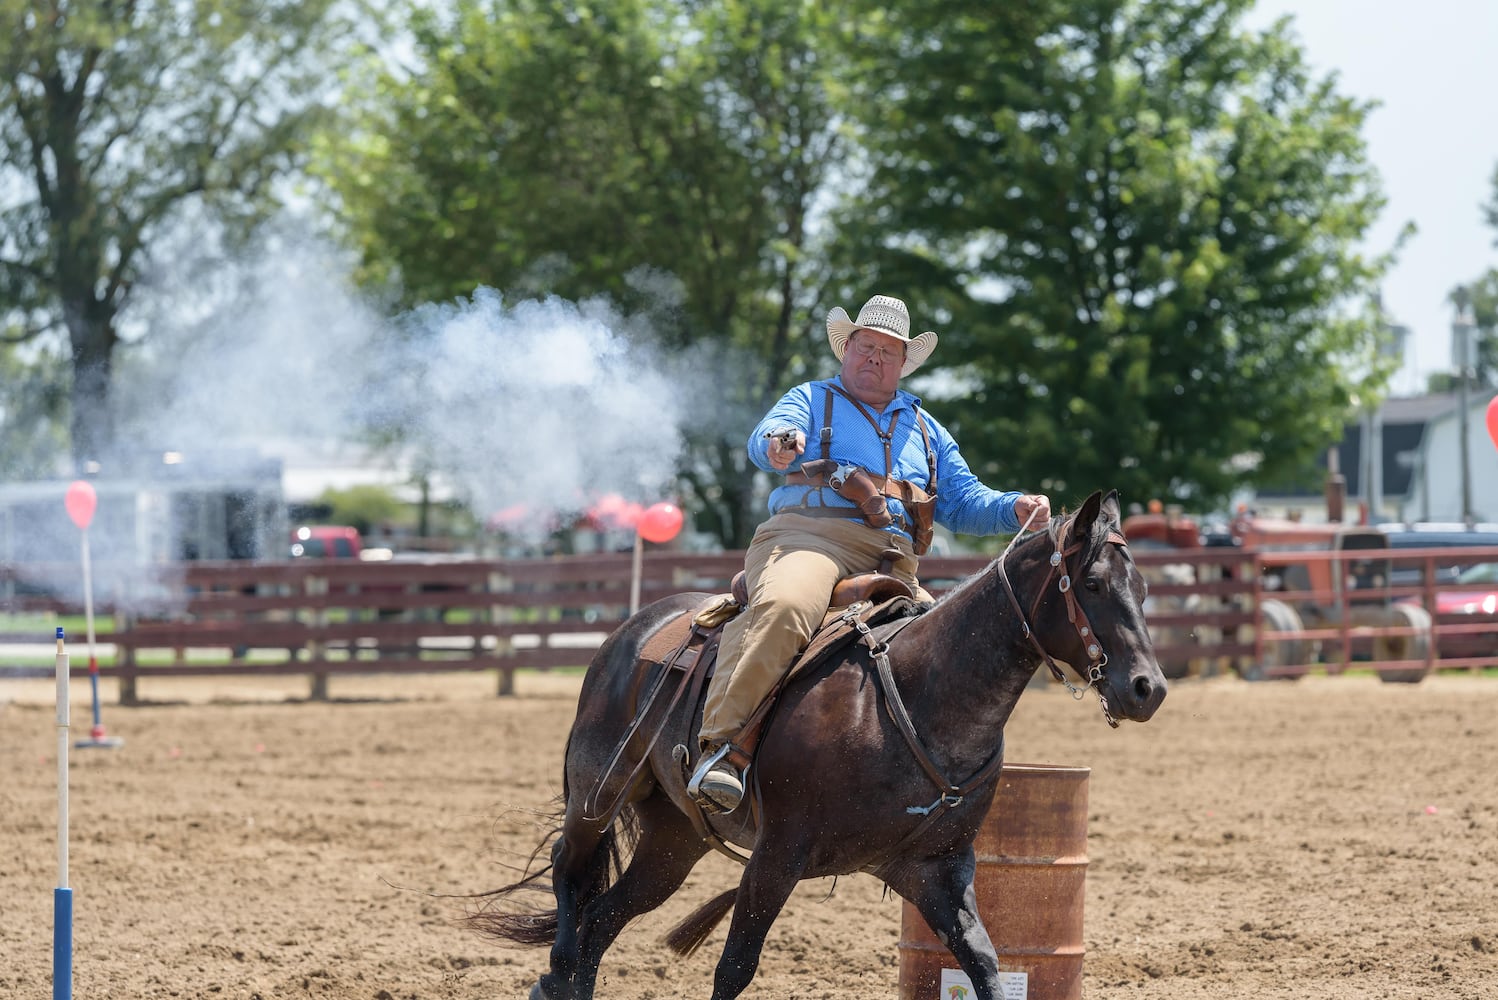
724 788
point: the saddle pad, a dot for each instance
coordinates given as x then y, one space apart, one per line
675 640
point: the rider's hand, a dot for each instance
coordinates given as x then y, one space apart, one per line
1033 503
780 456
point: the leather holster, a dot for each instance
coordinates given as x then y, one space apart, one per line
853 483
920 513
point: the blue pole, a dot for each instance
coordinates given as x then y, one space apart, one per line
62 944
93 682
62 898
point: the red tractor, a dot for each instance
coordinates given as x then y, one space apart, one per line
1160 530
1331 594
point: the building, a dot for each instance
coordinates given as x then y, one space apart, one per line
1417 475
1436 489
153 514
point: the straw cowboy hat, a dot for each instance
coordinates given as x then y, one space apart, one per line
886 315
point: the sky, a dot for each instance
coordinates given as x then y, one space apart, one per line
1432 68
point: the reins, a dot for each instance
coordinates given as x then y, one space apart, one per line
951 795
692 679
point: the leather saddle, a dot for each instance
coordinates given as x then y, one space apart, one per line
689 643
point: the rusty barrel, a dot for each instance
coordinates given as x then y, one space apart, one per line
1030 884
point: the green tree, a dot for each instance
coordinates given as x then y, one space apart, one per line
1477 303
1482 295
33 408
1136 226
363 507
665 154
114 118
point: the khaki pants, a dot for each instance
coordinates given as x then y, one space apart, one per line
791 567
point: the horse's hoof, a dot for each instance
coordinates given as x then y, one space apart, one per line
541 993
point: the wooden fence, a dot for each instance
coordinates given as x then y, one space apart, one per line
1207 611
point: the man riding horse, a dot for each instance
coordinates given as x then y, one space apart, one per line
881 472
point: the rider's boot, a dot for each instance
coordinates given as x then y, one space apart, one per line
716 784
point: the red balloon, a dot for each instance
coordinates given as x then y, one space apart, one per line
659 522
613 511
510 518
607 506
1493 420
81 501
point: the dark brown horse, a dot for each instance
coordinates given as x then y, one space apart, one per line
843 785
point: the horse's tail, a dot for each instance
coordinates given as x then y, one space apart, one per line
500 915
688 935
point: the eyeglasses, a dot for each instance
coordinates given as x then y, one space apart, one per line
888 355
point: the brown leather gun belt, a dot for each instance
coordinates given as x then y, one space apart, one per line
799 478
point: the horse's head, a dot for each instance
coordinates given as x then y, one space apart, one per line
1090 614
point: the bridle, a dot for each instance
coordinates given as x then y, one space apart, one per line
1097 658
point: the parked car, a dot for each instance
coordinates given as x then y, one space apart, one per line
1480 596
326 541
1471 600
1434 536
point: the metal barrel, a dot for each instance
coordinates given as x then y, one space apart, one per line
1030 884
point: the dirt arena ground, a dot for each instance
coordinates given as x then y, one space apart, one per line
1329 838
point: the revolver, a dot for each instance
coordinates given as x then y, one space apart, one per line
786 436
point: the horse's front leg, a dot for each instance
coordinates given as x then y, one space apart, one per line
769 879
942 890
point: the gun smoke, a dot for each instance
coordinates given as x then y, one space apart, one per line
239 362
540 402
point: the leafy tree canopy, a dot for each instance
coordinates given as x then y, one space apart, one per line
113 117
1481 296
33 405
363 507
665 154
1135 226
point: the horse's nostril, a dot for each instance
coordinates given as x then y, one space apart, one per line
1143 688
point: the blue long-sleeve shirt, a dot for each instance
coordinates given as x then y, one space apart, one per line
963 503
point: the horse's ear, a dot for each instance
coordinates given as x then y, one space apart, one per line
1111 509
1081 525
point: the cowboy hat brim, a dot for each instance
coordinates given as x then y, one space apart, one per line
840 326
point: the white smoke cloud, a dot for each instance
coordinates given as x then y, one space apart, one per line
542 402
236 360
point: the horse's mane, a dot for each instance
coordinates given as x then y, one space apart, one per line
1015 546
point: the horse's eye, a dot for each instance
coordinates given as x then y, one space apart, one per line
1092 584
